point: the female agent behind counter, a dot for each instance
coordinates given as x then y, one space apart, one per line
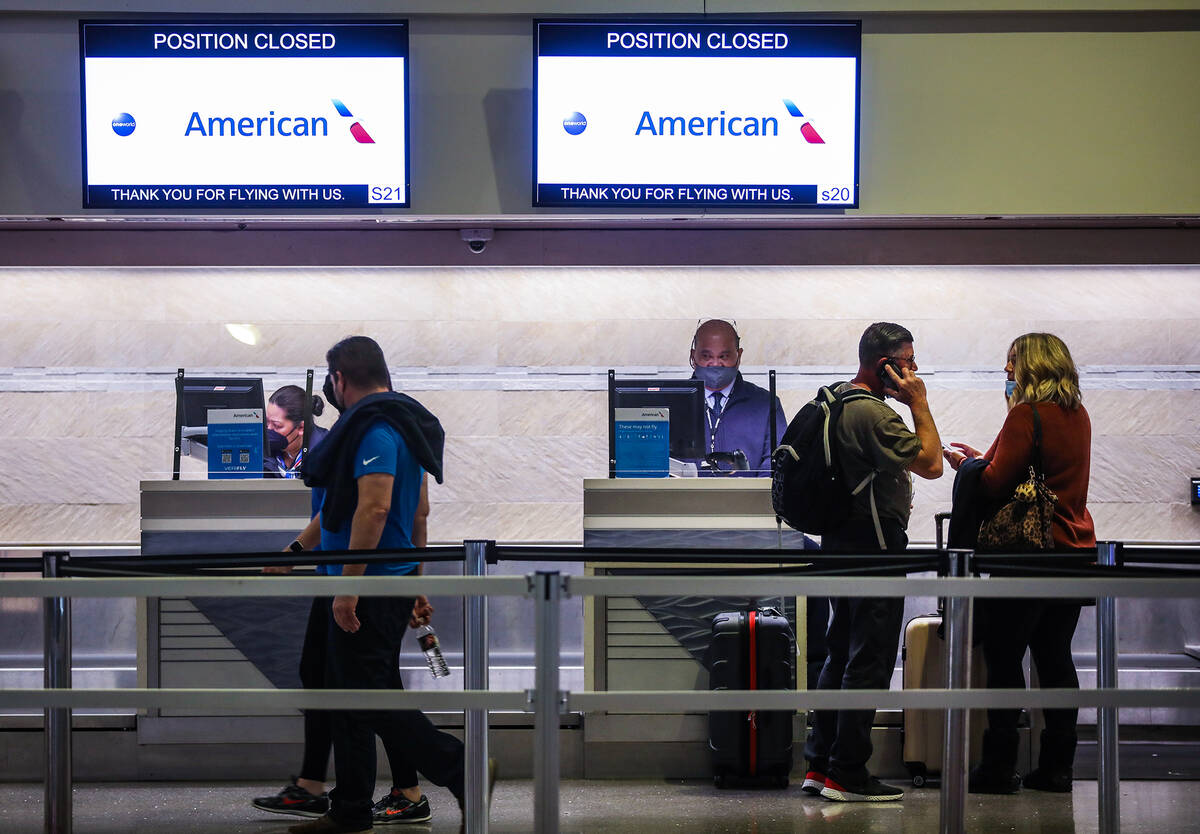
285 431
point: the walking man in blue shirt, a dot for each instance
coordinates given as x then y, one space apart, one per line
370 467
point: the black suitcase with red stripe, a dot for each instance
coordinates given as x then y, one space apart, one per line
751 650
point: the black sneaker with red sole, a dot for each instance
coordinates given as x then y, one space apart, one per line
397 809
814 783
840 788
294 800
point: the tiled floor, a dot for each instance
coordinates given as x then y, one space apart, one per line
610 807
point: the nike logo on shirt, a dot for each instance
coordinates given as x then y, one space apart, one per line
369 461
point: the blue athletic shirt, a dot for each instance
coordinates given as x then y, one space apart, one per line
383 450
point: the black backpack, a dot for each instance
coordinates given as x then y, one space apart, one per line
807 488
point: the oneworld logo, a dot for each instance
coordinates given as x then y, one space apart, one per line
356 130
806 130
575 124
123 124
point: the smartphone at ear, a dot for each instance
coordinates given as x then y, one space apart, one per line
885 377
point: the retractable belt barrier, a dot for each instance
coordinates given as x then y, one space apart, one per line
809 573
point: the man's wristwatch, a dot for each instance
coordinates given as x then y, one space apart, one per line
295 546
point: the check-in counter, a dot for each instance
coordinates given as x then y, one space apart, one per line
640 643
256 642
220 643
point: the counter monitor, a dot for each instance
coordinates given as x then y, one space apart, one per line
684 401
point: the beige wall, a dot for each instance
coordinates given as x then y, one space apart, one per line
513 362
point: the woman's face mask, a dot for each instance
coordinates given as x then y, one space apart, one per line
276 443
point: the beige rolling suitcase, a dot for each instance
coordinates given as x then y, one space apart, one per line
923 731
924 662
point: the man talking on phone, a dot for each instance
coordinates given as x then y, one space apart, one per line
877 452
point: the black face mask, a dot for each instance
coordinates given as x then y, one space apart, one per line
276 443
330 396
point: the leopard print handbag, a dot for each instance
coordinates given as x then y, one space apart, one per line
1023 524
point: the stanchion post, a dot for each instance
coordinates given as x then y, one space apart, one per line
547 700
958 676
1108 775
56 651
475 676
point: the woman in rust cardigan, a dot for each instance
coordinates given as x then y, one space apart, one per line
1042 373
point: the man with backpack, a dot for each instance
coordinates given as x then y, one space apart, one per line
855 490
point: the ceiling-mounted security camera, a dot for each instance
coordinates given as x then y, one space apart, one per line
477 239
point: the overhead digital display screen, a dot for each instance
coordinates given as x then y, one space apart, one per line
706 113
242 114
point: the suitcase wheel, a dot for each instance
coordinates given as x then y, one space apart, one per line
919 773
720 780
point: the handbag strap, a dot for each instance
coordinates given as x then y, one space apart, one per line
1037 442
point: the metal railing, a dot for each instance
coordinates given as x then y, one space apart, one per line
1108 579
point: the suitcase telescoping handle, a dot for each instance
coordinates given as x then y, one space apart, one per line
939 520
752 718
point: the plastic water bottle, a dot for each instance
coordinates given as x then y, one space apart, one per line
428 641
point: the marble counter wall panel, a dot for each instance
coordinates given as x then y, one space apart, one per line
555 413
43 414
438 343
148 414
570 294
1152 469
294 294
79 294
1140 412
73 470
1184 335
207 344
803 340
968 416
529 521
977 343
454 520
1176 521
64 523
1125 341
465 413
525 343
84 414
39 343
507 468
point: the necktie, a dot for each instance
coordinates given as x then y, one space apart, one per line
716 406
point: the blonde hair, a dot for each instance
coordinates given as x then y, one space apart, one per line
1044 371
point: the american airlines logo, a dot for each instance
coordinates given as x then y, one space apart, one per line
356 130
806 130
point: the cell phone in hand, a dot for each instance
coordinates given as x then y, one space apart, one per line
886 378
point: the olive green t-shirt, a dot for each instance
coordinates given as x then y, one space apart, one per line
872 438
